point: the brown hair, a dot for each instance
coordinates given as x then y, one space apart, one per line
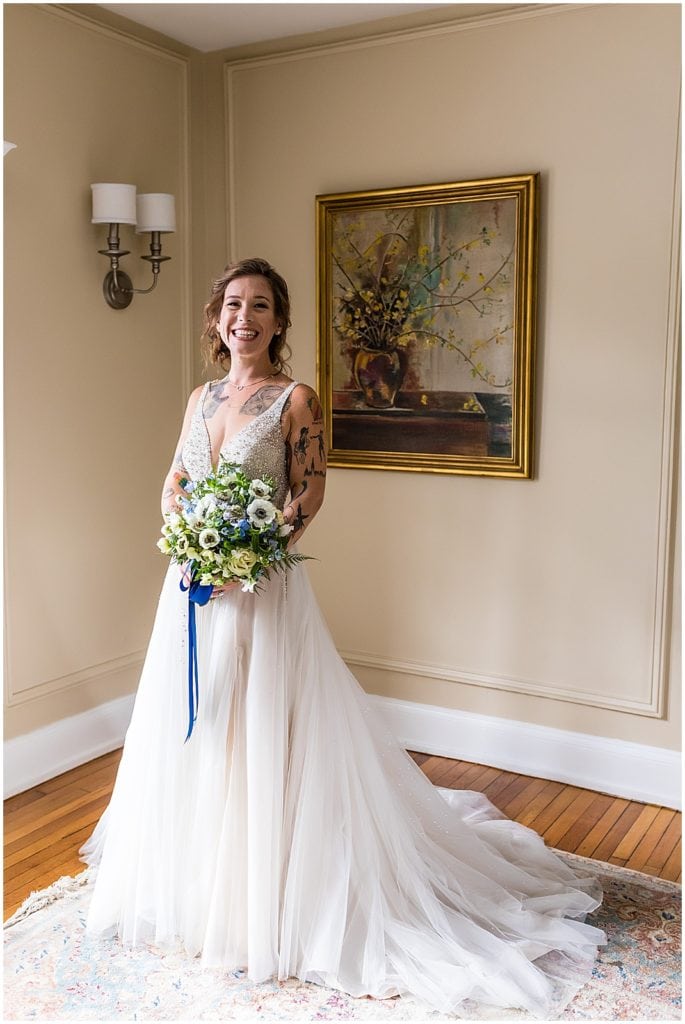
215 351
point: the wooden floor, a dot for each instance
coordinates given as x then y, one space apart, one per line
45 826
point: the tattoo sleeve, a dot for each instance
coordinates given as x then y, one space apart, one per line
305 446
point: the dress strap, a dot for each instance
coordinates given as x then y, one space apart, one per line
198 413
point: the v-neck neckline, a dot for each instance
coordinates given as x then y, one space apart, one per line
241 429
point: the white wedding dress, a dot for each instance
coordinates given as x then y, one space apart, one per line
293 836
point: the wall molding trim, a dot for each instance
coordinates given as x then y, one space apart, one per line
459 24
59 684
620 768
426 670
629 770
44 753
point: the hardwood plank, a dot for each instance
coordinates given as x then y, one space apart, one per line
664 848
632 837
81 772
89 812
605 848
98 781
419 758
495 791
438 767
53 813
84 772
673 865
46 843
549 814
451 777
561 825
65 844
484 780
544 798
610 816
66 866
518 803
648 842
584 822
469 774
29 796
38 870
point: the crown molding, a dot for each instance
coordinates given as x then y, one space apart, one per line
298 48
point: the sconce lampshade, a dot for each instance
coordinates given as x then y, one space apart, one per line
113 204
156 212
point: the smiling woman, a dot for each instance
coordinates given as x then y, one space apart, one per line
293 836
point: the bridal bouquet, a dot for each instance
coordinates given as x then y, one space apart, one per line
227 529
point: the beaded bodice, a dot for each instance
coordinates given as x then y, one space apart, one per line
258 447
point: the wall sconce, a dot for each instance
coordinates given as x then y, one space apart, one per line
153 212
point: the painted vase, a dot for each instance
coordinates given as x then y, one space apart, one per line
379 375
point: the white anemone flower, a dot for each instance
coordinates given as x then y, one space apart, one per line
205 506
261 512
209 538
259 489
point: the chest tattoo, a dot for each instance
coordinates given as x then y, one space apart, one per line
262 399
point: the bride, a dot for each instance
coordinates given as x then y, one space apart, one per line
291 835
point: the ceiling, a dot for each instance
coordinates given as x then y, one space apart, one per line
222 25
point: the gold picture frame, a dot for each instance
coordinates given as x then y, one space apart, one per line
426 326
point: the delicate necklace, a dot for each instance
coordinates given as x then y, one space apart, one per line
250 383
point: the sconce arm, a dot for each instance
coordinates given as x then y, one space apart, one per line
118 287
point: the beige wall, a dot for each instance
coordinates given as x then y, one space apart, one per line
501 596
495 596
93 397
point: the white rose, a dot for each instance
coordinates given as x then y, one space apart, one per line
285 530
241 563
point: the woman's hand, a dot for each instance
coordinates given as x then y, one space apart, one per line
218 591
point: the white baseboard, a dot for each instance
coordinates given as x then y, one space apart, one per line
633 771
44 753
630 770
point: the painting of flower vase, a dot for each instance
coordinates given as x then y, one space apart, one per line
426 326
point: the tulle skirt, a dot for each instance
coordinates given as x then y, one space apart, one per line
291 835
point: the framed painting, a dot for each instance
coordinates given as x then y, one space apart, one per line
426 326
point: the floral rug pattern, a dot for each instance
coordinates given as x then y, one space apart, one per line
54 971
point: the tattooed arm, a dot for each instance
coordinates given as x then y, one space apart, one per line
173 483
306 457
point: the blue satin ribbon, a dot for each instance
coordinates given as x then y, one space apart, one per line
197 594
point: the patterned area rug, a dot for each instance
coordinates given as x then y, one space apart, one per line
53 971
